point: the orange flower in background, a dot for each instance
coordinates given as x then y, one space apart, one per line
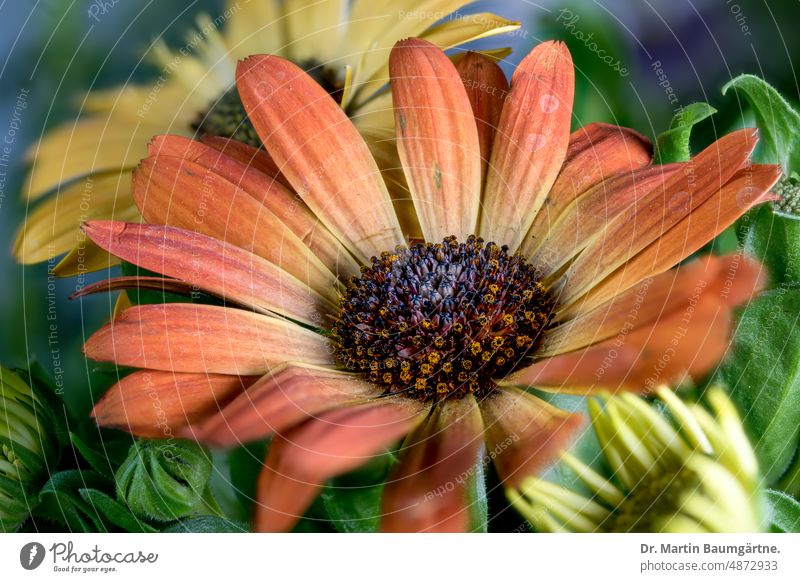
341 333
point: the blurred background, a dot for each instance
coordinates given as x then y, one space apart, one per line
637 64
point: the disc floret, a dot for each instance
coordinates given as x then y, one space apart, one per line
442 320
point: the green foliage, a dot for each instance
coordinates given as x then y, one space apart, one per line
207 524
115 512
763 367
784 512
674 144
353 501
763 374
61 500
778 122
774 240
164 480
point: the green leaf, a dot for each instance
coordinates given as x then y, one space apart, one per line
353 501
115 512
246 462
98 462
61 500
15 504
790 482
207 524
353 509
774 240
763 373
784 512
673 144
777 121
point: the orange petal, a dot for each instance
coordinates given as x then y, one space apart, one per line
524 433
286 396
255 158
647 221
530 144
299 461
596 152
691 341
487 89
437 139
212 266
286 208
729 279
154 404
320 152
586 218
183 337
428 489
748 187
181 193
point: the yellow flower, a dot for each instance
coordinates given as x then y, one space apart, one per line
698 475
82 169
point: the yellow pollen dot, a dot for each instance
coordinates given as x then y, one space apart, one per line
387 377
434 357
475 348
508 319
447 367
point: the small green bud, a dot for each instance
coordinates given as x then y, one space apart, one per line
164 480
26 448
788 188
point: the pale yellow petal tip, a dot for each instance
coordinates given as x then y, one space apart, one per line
84 258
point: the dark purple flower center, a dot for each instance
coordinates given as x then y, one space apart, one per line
442 320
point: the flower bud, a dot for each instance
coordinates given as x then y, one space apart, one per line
27 447
164 480
696 474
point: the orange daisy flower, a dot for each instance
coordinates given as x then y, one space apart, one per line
341 333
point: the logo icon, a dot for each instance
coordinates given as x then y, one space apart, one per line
31 555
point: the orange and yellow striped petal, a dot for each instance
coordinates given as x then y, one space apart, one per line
184 337
321 154
530 144
437 140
